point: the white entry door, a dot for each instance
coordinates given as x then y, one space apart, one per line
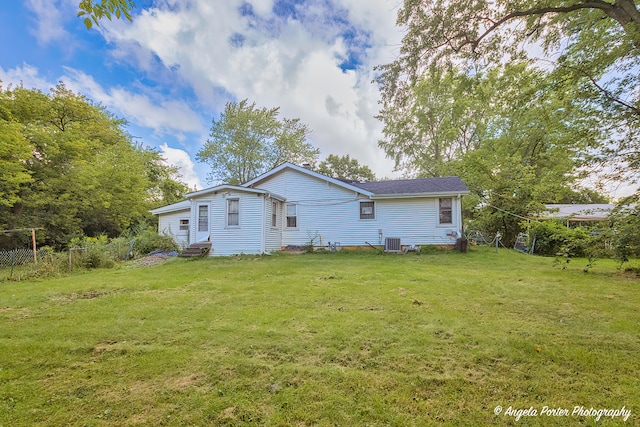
202 222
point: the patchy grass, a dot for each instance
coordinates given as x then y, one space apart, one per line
333 339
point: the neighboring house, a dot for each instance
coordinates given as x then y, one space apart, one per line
294 206
578 212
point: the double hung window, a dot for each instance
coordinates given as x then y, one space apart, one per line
446 210
292 216
367 210
233 212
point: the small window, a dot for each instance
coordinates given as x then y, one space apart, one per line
233 216
203 218
367 210
274 214
184 225
292 216
446 213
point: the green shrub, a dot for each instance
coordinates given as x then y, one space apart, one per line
625 240
554 238
94 255
118 248
149 240
550 236
97 258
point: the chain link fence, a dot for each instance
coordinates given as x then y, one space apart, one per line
20 257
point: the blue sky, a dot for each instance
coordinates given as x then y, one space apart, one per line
172 69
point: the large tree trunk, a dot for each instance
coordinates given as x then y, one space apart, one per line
627 15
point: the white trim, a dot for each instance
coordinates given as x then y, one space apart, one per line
201 236
175 207
225 187
309 172
287 216
274 214
227 201
439 210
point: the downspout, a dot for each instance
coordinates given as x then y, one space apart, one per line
192 221
263 247
460 215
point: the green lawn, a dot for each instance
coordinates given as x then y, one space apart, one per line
324 340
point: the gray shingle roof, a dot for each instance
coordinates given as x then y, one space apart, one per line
448 184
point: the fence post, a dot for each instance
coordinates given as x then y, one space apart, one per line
13 262
33 242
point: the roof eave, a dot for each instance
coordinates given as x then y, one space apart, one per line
165 211
169 209
223 187
309 172
419 195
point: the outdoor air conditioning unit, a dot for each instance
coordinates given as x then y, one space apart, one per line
392 244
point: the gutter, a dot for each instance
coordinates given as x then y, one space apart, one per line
418 195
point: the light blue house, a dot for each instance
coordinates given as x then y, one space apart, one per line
294 206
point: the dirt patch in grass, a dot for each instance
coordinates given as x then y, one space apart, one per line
109 346
88 294
153 259
13 313
193 380
149 261
150 415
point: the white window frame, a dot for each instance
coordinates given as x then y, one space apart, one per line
289 216
274 214
183 224
444 210
203 220
367 210
229 222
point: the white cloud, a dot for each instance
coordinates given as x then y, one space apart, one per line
27 76
152 111
49 19
292 61
160 115
181 160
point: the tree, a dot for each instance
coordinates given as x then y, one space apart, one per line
94 11
248 141
477 30
591 46
14 152
531 151
166 185
344 167
437 124
72 169
625 229
515 135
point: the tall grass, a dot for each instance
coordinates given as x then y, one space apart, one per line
332 339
